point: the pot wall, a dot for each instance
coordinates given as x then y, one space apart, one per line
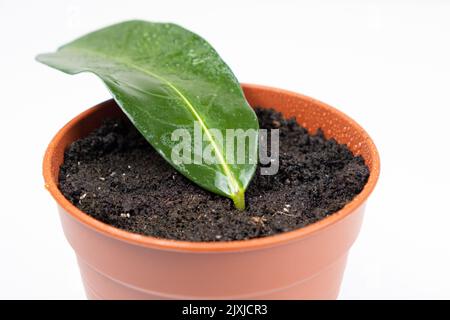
309 268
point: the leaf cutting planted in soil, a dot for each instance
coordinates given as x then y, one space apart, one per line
165 77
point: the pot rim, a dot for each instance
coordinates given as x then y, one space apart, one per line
221 246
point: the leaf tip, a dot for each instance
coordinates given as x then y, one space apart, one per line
38 58
42 58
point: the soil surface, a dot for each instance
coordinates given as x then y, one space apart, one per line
115 176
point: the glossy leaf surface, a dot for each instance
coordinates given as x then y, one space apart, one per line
164 78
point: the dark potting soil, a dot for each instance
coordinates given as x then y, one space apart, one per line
115 176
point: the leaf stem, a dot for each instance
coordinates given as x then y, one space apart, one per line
239 200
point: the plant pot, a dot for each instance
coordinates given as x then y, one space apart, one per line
306 263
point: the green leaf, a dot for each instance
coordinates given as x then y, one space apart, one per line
165 77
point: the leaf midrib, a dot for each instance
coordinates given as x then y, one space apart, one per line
234 184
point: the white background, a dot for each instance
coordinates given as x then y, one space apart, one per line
384 63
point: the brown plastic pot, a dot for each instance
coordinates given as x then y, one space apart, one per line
306 263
